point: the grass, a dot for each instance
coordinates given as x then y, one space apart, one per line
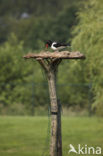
26 136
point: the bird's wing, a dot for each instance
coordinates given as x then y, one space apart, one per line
59 45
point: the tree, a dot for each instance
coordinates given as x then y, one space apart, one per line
88 38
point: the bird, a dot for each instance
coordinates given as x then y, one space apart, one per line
56 46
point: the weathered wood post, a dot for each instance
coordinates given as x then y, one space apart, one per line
49 62
51 69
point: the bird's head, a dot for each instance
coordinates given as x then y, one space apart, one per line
48 43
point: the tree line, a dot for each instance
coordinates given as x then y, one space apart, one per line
79 82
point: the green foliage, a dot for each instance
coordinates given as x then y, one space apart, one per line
18 79
75 91
36 7
88 38
35 31
12 70
41 24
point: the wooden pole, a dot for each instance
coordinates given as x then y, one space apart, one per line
56 140
51 67
54 112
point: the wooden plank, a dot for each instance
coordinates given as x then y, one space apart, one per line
51 55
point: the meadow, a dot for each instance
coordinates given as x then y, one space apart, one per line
29 136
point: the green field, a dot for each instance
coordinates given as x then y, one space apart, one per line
27 136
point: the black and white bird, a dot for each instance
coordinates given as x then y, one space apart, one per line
56 46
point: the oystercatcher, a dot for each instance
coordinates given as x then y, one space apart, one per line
56 46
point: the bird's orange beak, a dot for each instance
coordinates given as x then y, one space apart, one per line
46 45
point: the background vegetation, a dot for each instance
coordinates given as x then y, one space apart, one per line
24 27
